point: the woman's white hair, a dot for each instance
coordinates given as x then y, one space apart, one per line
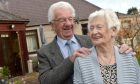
110 17
59 5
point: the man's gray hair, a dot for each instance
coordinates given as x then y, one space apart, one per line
110 17
59 5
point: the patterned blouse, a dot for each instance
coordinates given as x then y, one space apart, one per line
109 73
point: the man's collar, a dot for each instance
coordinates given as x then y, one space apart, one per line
63 41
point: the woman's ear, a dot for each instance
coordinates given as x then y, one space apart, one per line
88 33
114 31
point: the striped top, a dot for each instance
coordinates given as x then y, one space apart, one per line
87 70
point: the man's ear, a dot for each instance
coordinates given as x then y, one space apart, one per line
52 25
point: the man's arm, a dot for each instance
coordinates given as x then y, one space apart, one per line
54 75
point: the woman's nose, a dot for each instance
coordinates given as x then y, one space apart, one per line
94 31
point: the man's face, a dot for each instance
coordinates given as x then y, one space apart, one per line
63 24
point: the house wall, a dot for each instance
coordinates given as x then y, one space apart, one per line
83 22
129 26
49 35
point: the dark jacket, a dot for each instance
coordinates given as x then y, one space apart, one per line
53 68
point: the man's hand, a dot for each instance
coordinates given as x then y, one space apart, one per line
124 48
82 52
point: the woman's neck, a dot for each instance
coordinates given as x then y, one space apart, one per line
106 54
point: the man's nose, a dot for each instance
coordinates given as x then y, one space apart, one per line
68 22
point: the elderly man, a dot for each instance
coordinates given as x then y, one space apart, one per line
56 59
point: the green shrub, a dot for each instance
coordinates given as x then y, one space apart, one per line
138 58
5 72
17 82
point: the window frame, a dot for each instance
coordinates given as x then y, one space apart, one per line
37 41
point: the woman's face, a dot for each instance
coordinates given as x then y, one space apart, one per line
99 32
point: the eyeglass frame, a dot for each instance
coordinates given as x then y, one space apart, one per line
64 20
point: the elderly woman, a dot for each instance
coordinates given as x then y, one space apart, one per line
105 65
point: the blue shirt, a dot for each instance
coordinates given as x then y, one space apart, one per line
61 43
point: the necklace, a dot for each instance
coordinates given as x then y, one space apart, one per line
102 61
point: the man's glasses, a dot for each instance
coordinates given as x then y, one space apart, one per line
64 20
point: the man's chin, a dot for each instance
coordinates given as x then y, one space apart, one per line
68 36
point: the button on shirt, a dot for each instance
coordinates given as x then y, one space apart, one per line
62 44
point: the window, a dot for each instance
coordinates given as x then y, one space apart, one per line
84 29
4 35
126 24
127 41
32 41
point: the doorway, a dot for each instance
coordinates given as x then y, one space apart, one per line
84 29
10 52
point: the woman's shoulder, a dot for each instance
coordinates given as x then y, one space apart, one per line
128 59
87 60
128 56
83 59
88 57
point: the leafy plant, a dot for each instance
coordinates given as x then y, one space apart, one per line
138 58
5 72
132 10
17 82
